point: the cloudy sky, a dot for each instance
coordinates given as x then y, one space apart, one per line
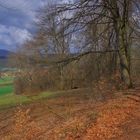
17 21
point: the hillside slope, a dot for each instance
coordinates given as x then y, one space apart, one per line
74 116
4 54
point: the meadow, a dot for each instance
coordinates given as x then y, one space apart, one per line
6 85
6 89
9 99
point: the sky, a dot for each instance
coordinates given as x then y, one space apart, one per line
17 22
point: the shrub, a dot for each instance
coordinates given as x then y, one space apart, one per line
31 82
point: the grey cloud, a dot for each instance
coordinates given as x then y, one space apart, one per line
13 35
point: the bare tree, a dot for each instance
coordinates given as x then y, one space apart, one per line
83 40
111 20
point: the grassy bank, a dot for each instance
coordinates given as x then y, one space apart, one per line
10 100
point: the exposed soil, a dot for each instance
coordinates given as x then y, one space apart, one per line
78 115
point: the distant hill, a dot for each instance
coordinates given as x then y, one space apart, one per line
4 54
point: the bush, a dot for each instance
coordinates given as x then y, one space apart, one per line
31 82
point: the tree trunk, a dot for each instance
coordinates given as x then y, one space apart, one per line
124 55
121 29
124 68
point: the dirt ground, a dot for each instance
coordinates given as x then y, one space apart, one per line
77 115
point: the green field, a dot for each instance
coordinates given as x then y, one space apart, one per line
6 89
6 85
9 99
